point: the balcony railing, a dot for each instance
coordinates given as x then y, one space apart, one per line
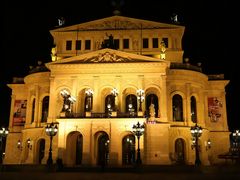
102 115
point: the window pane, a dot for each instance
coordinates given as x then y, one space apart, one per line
125 43
116 43
45 106
78 44
145 42
177 108
155 42
33 110
87 44
165 40
69 45
193 109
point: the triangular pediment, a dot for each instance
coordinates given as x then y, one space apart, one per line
117 23
106 56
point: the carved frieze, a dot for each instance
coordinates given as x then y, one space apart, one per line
107 57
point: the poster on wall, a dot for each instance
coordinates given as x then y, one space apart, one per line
214 109
19 116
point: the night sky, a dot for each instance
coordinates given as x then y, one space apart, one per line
210 36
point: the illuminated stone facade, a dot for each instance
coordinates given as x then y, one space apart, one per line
127 54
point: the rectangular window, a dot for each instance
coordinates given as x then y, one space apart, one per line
165 40
68 45
116 43
78 44
87 44
125 43
155 42
145 42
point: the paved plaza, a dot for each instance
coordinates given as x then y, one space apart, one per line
130 173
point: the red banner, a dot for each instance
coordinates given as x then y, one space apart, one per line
214 109
19 116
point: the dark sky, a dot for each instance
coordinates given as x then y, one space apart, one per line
210 36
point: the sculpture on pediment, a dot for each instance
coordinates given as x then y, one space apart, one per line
107 57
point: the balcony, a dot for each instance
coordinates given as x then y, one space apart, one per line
102 115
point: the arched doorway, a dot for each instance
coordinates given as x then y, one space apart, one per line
40 150
152 99
102 148
74 148
128 150
180 151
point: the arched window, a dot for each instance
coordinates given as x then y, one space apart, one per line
131 104
152 99
109 103
177 108
45 106
193 109
33 110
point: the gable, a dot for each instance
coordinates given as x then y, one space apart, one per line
106 56
117 23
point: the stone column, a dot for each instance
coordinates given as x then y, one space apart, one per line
163 100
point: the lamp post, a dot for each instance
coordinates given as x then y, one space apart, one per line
236 145
140 94
138 131
51 130
115 94
89 94
196 132
68 100
3 133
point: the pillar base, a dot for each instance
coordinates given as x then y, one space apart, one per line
88 114
140 114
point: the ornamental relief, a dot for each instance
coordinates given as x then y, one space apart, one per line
121 24
107 57
113 24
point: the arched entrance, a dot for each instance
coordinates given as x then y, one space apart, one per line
40 150
128 150
102 148
180 151
74 148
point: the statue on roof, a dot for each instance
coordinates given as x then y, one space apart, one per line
108 43
162 50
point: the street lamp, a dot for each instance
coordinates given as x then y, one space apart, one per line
115 94
51 130
196 132
236 145
3 133
89 94
138 131
140 94
68 100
